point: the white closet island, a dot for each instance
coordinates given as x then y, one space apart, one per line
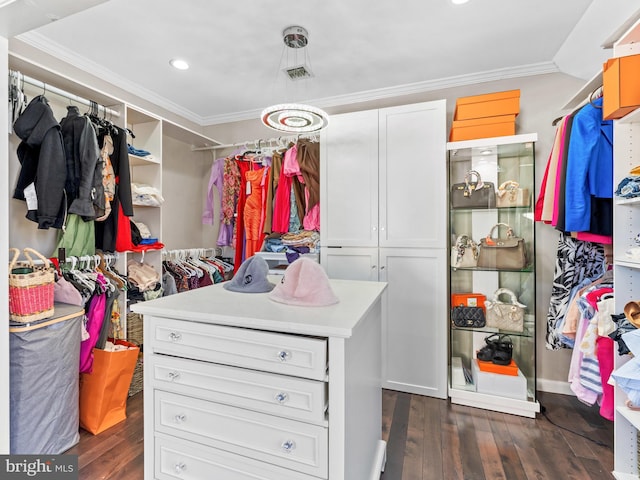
240 387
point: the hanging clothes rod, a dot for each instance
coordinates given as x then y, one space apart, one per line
20 77
258 143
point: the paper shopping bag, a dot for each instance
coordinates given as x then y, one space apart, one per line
104 391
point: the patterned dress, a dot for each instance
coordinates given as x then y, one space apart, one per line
577 260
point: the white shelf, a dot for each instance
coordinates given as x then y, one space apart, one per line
631 117
136 160
513 406
623 262
624 476
582 95
481 142
629 201
632 416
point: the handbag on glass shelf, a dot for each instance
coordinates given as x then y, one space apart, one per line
509 194
502 253
470 194
505 315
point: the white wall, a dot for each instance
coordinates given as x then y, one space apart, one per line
540 103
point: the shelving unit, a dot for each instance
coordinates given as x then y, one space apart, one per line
497 160
626 220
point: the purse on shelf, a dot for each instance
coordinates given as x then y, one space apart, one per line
468 300
505 315
509 194
464 254
502 253
471 194
468 317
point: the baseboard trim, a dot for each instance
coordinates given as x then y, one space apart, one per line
554 386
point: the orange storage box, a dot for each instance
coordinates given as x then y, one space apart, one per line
620 80
490 367
488 105
482 128
468 300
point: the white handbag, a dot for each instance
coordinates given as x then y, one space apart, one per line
509 194
503 315
464 254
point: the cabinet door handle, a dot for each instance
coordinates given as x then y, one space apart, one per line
382 267
283 355
281 397
382 229
173 376
374 228
288 446
180 467
175 336
181 417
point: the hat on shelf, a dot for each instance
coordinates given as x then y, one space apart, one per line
632 312
251 277
304 283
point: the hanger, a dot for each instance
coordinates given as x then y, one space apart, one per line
595 94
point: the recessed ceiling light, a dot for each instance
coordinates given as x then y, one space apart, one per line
459 2
179 64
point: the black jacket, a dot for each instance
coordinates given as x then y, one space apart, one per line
42 160
85 193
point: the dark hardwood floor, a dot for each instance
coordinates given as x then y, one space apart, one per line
428 439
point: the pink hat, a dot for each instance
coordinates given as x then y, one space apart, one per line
304 283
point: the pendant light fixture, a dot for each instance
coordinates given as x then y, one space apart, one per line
295 117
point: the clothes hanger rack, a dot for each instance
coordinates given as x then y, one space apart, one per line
20 78
279 142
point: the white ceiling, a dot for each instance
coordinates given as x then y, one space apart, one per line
358 49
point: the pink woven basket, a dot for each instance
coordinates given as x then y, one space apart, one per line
30 287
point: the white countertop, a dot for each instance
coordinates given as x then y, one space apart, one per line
215 304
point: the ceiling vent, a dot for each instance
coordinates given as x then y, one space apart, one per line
299 72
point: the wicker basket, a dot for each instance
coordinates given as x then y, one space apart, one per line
30 287
134 335
134 328
137 379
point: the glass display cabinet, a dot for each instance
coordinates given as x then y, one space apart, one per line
492 338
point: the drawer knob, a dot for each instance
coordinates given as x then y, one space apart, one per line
282 397
173 376
181 417
288 446
175 336
180 467
283 355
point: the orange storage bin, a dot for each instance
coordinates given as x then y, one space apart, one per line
620 79
488 105
482 128
490 367
468 300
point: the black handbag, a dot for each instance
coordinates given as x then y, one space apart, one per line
468 317
470 194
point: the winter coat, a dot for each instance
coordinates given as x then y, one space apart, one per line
42 160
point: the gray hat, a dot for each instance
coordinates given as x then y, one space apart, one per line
251 277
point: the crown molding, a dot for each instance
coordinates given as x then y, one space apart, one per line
43 43
542 68
56 50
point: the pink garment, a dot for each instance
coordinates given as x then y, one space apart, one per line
604 347
558 184
281 203
594 237
95 317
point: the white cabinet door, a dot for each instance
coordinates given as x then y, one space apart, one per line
350 263
413 175
349 181
414 320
